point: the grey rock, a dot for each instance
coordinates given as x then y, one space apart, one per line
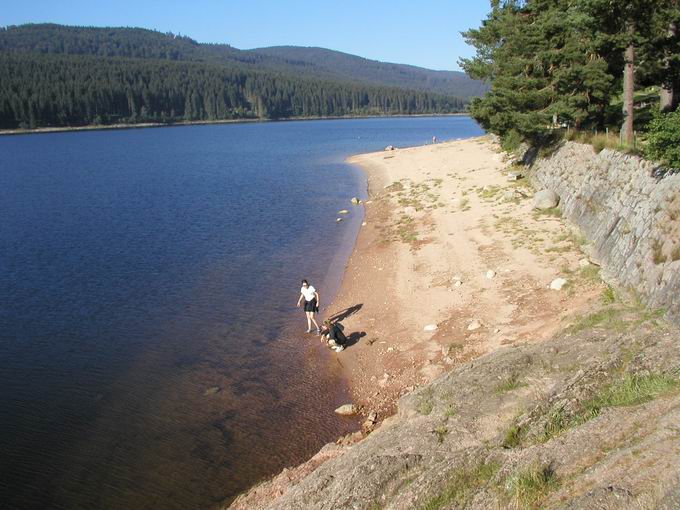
546 199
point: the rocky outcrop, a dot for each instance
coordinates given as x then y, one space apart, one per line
588 420
628 209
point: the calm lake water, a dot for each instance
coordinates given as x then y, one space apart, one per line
151 355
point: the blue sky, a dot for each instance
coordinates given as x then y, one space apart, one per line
424 33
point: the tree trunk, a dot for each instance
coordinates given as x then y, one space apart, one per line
628 89
668 100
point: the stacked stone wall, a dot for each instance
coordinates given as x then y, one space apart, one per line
629 210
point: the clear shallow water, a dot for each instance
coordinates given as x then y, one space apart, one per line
140 268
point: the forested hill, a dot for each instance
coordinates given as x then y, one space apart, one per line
52 75
313 62
384 73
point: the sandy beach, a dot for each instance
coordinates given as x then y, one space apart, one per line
451 263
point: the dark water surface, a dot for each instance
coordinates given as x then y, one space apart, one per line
139 269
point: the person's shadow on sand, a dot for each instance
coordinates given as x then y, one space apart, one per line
347 312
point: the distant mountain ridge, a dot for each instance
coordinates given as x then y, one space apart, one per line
319 63
345 65
60 76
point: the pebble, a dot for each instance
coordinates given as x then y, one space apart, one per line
475 324
430 327
347 410
558 283
490 274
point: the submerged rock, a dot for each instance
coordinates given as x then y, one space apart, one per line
347 410
343 211
212 391
355 201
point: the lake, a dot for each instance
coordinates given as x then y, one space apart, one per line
151 355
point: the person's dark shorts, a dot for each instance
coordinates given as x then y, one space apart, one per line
310 306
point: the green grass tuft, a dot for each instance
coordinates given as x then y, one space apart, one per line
513 437
529 488
553 212
511 383
607 317
590 273
441 432
608 296
462 486
630 390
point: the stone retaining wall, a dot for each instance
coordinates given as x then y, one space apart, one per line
629 209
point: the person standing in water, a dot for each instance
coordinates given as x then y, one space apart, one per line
311 298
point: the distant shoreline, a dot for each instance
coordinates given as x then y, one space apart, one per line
143 125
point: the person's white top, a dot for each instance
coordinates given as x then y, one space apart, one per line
308 292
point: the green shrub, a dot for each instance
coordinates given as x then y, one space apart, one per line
511 141
663 139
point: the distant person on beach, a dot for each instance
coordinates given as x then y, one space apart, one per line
311 297
332 333
434 139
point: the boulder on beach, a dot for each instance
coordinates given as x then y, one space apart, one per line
347 410
558 283
546 199
430 327
490 274
390 148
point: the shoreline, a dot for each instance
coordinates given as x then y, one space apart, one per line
451 263
147 125
429 257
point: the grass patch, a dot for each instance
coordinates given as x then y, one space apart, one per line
608 296
617 318
511 383
632 390
513 437
610 318
528 488
395 186
657 253
464 483
450 411
441 432
590 273
464 204
426 405
488 192
553 212
675 254
629 390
